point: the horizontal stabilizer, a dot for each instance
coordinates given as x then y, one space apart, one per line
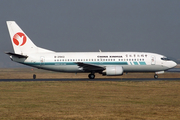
17 55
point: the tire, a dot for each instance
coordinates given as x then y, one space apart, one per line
155 76
91 76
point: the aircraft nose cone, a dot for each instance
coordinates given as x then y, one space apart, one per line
173 64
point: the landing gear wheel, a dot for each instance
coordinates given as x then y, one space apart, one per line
91 76
155 76
34 76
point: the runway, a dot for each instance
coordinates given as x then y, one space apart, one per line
97 79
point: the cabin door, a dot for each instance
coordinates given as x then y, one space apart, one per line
42 60
153 60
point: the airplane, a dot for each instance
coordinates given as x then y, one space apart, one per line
105 63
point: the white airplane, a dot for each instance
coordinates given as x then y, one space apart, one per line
105 63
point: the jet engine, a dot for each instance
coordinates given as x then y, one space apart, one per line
113 70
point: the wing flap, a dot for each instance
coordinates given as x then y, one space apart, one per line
90 67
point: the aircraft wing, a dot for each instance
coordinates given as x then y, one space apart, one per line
90 67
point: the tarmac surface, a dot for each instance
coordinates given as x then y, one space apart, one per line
174 70
97 79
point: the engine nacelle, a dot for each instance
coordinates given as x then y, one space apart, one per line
113 70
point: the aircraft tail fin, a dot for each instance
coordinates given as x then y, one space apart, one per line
21 42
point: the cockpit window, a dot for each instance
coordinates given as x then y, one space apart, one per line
165 59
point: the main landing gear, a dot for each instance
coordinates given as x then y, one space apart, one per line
91 76
155 76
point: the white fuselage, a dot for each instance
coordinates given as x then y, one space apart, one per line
105 63
67 61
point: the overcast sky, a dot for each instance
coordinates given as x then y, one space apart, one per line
90 25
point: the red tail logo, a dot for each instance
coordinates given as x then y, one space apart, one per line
19 39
